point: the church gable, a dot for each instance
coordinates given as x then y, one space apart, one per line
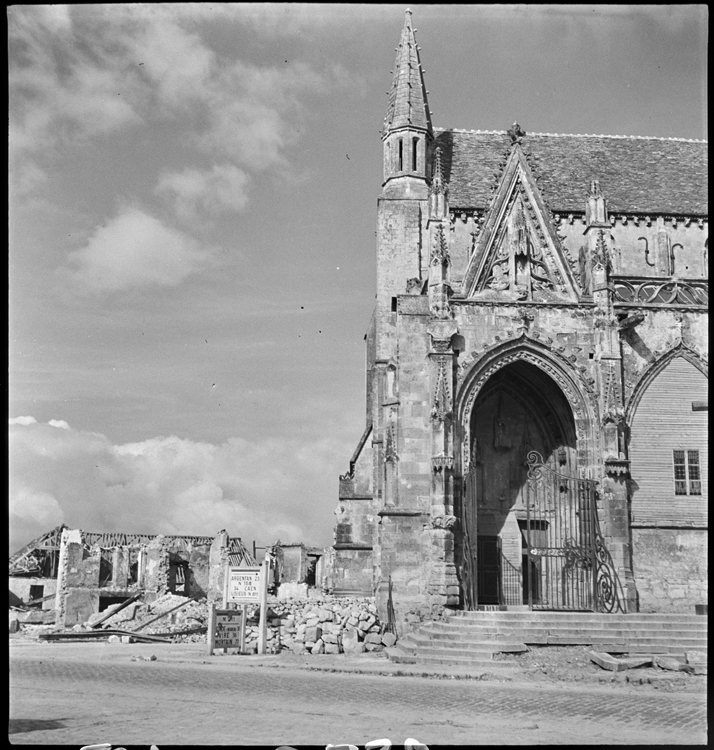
519 256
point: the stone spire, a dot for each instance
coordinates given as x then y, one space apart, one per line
408 107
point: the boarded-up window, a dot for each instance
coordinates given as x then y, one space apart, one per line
668 450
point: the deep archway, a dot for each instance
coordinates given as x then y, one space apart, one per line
519 409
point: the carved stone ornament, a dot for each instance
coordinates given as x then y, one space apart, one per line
516 133
439 463
439 306
414 285
441 404
390 448
601 258
443 522
440 251
441 346
343 514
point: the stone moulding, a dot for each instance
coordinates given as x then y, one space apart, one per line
617 466
661 292
401 512
439 463
577 388
505 304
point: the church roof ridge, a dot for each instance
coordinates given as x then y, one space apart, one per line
577 135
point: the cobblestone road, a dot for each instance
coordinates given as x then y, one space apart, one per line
152 702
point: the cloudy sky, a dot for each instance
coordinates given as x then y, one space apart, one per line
192 211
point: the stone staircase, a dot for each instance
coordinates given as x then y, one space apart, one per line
470 639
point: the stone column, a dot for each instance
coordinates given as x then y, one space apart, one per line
443 585
614 469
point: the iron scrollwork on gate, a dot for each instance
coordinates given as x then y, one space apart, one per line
569 565
468 562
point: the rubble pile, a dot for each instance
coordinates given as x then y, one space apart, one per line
317 626
303 626
187 615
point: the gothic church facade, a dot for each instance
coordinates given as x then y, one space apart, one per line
537 368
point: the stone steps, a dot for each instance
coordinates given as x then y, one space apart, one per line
472 638
536 634
508 615
415 641
399 656
580 636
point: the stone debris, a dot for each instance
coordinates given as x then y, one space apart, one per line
302 626
606 661
696 658
670 663
319 626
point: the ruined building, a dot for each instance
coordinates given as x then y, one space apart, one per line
536 371
78 573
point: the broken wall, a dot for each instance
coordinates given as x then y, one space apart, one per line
20 586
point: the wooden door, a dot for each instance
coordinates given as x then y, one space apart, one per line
489 569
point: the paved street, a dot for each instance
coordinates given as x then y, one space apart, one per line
86 693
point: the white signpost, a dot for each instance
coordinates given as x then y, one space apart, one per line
243 585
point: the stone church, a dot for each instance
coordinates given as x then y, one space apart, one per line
537 368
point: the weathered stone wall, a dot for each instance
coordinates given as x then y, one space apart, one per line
352 571
199 565
294 563
670 568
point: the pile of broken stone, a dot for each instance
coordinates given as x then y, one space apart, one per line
304 626
321 626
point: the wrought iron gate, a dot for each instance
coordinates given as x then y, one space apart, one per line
568 565
468 528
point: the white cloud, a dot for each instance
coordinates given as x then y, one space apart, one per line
22 420
135 250
92 70
260 490
59 423
224 188
58 91
40 507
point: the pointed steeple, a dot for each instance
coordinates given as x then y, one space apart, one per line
408 107
407 132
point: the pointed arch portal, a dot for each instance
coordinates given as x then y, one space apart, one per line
528 521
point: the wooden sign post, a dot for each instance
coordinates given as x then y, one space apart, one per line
263 626
225 629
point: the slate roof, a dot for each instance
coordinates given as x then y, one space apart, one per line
637 175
